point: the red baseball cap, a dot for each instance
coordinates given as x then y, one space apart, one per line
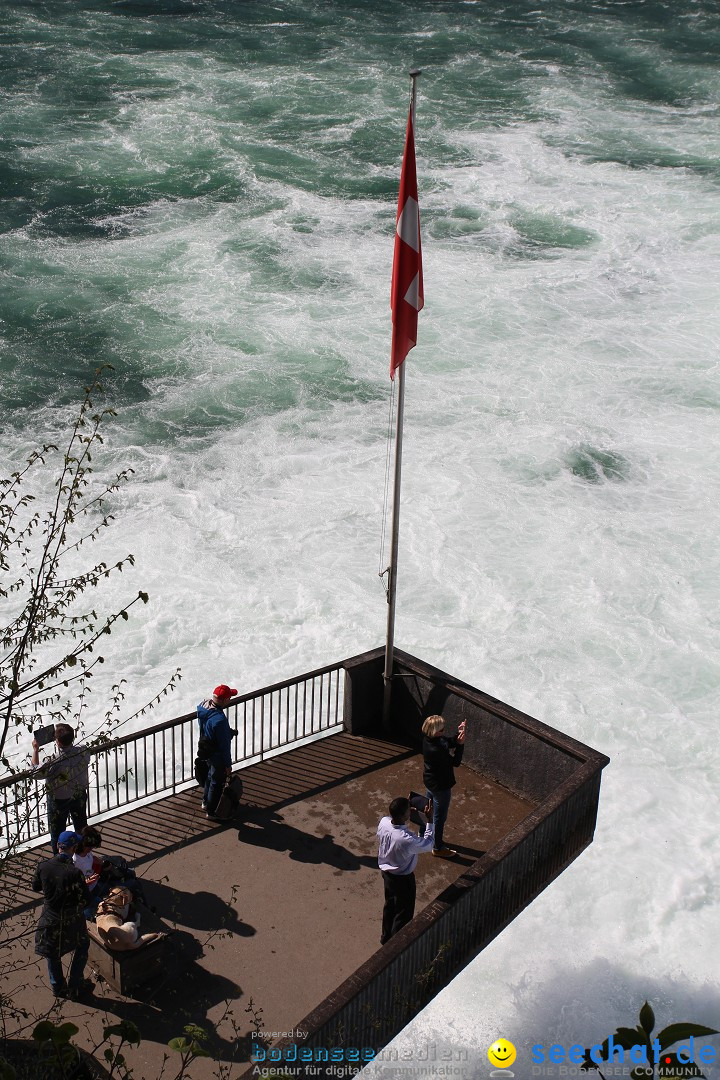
223 691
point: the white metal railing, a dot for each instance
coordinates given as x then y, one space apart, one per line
158 761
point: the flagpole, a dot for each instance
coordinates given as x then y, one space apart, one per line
395 529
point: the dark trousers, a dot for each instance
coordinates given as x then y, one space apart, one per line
399 903
59 810
214 787
77 968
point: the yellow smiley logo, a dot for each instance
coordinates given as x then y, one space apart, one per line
502 1053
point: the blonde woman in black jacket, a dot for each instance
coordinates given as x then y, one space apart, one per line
440 755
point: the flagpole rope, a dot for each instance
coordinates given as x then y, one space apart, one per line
382 570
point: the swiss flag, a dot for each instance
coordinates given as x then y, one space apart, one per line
406 294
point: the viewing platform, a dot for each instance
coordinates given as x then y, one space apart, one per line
275 917
276 909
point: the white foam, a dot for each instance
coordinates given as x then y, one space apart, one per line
261 331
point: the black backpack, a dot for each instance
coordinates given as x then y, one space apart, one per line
205 748
230 799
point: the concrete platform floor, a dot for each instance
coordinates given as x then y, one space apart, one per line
269 914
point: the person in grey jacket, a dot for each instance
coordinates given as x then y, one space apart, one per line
66 782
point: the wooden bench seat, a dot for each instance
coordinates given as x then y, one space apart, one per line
124 970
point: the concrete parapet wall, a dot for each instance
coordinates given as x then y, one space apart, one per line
524 755
557 774
363 698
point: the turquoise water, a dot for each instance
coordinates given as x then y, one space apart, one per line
203 195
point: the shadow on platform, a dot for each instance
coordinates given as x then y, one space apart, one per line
271 913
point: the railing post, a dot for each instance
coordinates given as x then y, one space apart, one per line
174 781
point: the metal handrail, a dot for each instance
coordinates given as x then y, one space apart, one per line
148 765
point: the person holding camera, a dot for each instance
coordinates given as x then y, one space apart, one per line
398 852
440 756
217 736
66 782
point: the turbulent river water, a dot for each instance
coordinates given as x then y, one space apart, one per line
202 194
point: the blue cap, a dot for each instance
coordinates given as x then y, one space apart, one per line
69 839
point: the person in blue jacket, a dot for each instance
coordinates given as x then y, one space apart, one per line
215 728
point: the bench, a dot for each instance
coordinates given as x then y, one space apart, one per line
124 970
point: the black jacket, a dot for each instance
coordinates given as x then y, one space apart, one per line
61 926
440 755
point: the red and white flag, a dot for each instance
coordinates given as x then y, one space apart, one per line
406 294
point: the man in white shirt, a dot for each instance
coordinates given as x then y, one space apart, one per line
398 852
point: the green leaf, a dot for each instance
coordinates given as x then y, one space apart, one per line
64 1032
144 597
588 1062
70 660
626 1037
6 1070
188 1043
126 1030
647 1018
676 1032
671 1068
44 1031
642 1038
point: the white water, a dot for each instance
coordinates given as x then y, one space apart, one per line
256 343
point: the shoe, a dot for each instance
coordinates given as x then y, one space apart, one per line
212 817
444 853
60 991
85 987
204 806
